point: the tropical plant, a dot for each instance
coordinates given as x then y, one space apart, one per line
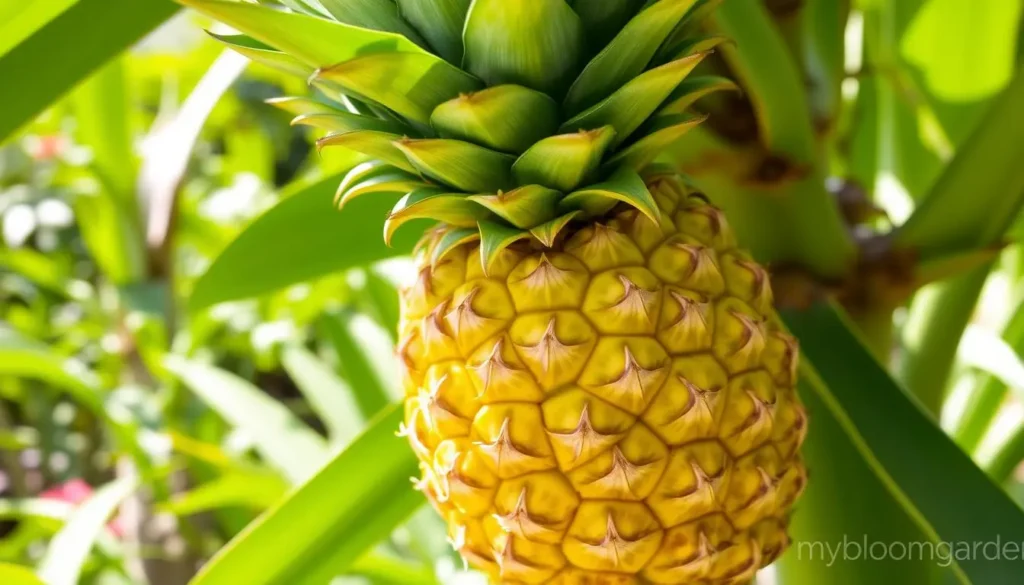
597 379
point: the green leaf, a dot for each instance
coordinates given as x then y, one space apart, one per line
365 359
495 237
316 41
251 489
18 575
774 82
19 20
643 152
905 447
625 186
603 19
547 233
452 239
429 203
101 105
692 89
374 143
344 122
27 358
372 14
265 55
462 165
280 437
524 207
68 52
330 397
564 162
537 44
380 298
959 64
626 55
68 550
411 84
257 263
980 192
301 106
440 21
626 109
387 180
43 270
339 514
508 118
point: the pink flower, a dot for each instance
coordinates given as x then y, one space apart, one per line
76 491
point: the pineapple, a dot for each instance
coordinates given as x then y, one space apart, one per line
597 388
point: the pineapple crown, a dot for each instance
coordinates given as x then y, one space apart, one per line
503 119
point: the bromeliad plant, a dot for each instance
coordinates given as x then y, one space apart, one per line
596 384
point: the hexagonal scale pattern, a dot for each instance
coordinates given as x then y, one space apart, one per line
617 410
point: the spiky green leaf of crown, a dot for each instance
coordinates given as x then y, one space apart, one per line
503 120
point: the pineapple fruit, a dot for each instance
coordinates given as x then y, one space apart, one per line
597 388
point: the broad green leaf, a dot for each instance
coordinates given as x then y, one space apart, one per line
980 192
280 437
316 41
68 550
524 207
429 203
565 161
958 61
495 237
627 55
386 569
547 233
265 55
537 44
103 124
628 107
372 14
68 51
625 186
641 153
254 490
603 19
331 398
18 575
19 20
43 270
332 520
904 446
411 84
378 144
508 118
366 360
440 22
114 238
462 165
301 238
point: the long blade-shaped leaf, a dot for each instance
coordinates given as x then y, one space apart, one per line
284 441
373 14
271 254
316 41
69 549
18 575
68 51
322 528
462 165
508 118
905 447
565 161
331 398
440 21
412 84
628 107
627 55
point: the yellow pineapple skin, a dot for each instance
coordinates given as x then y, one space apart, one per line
618 409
